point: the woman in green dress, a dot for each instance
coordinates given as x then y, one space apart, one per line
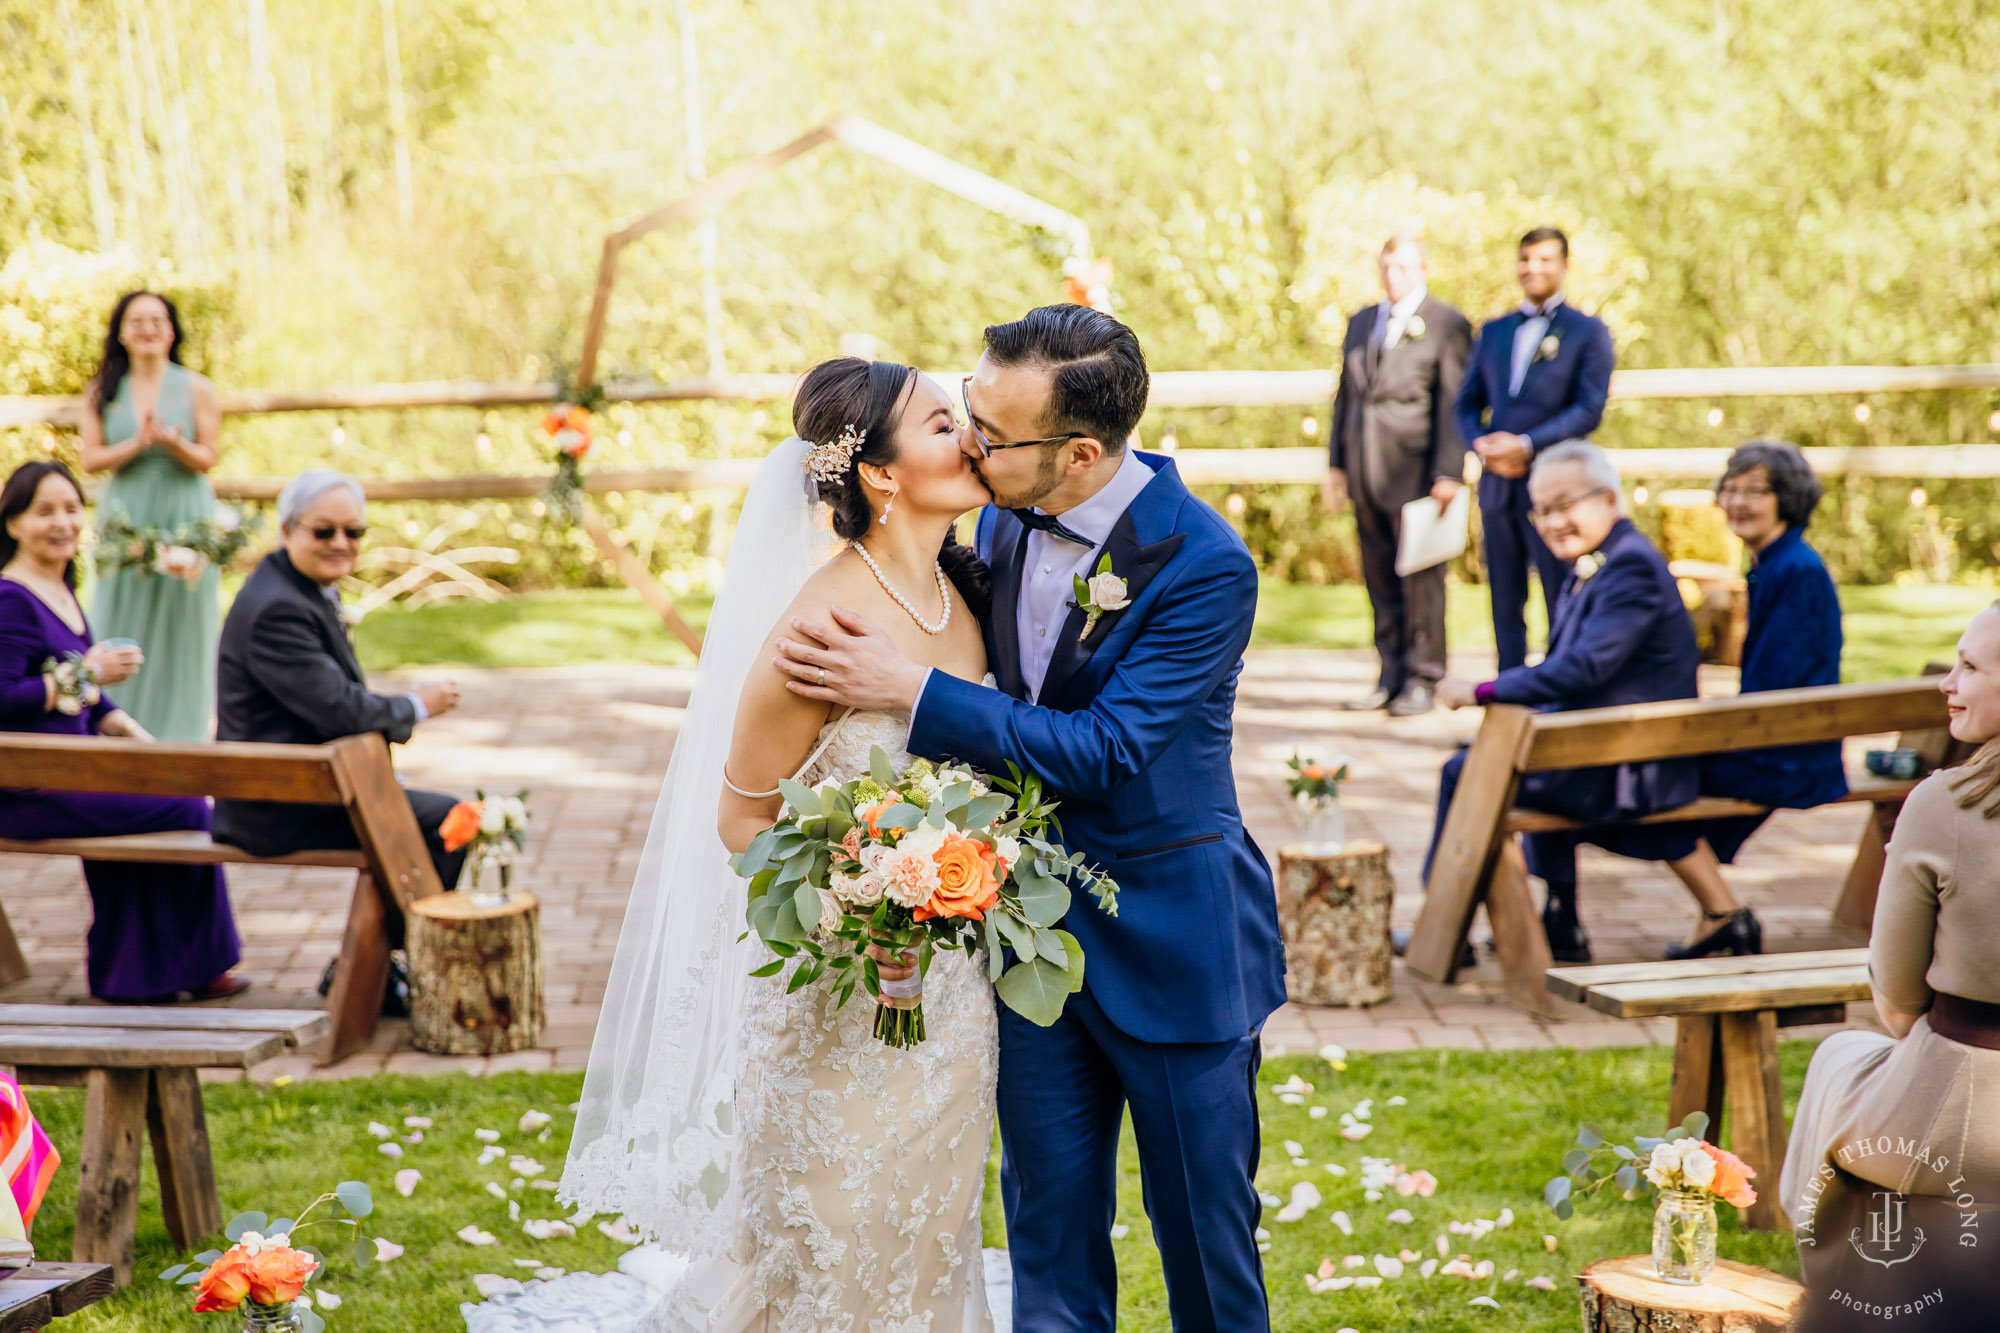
153 424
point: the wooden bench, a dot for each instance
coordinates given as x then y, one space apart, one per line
1478 859
30 1297
138 1067
1727 1012
393 868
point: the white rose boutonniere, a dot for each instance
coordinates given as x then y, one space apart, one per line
1546 349
1414 329
1588 565
1103 591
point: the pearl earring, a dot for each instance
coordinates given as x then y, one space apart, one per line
886 510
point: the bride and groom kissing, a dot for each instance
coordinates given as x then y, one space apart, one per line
813 1177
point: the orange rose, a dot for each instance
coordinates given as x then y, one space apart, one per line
1312 772
578 446
225 1284
1732 1177
967 885
277 1276
872 817
461 824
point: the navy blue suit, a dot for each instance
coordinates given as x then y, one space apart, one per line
1794 640
1562 398
1133 735
1622 636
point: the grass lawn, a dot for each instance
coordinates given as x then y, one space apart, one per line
1890 631
1490 1127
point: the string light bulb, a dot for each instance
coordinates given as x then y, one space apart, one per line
1715 416
1918 495
339 436
1993 422
1236 504
483 442
1309 427
1169 441
1862 413
687 513
625 439
1638 495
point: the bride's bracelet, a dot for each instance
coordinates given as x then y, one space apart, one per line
750 795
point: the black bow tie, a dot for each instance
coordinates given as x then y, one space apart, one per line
1050 524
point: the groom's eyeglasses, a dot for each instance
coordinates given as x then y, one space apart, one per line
988 447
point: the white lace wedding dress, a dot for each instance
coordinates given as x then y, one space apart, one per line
862 1167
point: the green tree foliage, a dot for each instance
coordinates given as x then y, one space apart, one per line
1748 183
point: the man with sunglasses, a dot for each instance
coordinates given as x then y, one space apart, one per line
287 673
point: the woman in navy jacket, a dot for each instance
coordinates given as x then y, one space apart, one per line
1768 493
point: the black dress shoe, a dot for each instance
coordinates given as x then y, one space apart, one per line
1399 940
1414 701
1735 933
1374 701
1567 942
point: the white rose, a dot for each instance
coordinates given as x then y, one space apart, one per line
1107 592
493 817
68 705
179 562
829 913
1008 849
516 811
863 890
932 785
923 840
1664 1166
1697 1167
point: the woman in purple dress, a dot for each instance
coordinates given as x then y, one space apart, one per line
156 930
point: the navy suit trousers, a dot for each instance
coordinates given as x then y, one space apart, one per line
1063 1091
1512 549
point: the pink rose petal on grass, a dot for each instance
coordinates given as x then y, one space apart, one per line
1486 1301
390 1150
472 1235
385 1250
417 1122
1541 1283
406 1181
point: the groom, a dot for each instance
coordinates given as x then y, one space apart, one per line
1126 716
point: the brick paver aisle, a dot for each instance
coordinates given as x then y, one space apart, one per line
592 744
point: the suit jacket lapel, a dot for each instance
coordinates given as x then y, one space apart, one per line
329 616
1132 562
1372 350
1557 318
1010 548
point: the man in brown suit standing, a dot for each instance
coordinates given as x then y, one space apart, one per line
1395 440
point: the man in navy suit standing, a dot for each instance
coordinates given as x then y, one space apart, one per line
1539 374
1123 707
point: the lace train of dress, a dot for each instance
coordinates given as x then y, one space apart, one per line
862 1167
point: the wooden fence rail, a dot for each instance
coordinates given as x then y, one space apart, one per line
1171 389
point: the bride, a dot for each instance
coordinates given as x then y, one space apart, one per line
814 1177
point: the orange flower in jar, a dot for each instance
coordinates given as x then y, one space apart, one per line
461 824
967 884
1312 772
278 1275
1732 1177
225 1284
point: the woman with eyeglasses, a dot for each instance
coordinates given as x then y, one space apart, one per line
1768 493
154 425
156 931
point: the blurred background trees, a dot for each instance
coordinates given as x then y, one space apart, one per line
345 191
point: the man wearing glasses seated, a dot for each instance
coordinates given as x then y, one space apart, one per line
1619 635
287 673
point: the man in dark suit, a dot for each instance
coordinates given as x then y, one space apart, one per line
1538 375
1621 635
287 673
1396 439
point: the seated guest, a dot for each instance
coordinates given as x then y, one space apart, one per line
1934 964
1768 493
288 673
155 930
1619 635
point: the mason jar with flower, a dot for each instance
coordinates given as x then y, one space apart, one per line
1315 792
496 828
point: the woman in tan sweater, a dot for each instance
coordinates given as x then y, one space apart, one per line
1918 1111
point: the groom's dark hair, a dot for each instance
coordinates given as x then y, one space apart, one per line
1099 382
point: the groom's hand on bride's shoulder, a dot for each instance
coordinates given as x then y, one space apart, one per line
848 661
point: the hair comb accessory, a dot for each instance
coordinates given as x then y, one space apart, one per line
829 459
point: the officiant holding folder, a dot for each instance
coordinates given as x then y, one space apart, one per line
1394 441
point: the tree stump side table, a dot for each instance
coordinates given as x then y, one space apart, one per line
475 975
1333 911
1623 1296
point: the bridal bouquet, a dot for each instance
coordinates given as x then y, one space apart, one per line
938 858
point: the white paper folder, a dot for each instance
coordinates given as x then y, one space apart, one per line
1433 534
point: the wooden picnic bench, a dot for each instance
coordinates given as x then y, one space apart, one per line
30 1297
139 1068
1727 1012
392 867
1478 859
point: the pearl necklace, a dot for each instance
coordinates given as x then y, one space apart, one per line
944 592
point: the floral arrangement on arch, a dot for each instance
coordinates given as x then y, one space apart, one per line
184 552
264 1271
568 428
936 858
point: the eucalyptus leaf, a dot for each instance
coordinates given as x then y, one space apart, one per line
1646 1144
879 767
310 1322
1588 1136
1696 1124
1050 946
1576 1159
1624 1153
1043 899
173 1272
1075 969
354 1197
785 923
1035 989
208 1256
1627 1177
1565 1210
954 796
243 1222
364 1250
799 796
807 903
189 1279
996 960
901 815
281 1226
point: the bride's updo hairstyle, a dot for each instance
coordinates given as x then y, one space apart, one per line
868 396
